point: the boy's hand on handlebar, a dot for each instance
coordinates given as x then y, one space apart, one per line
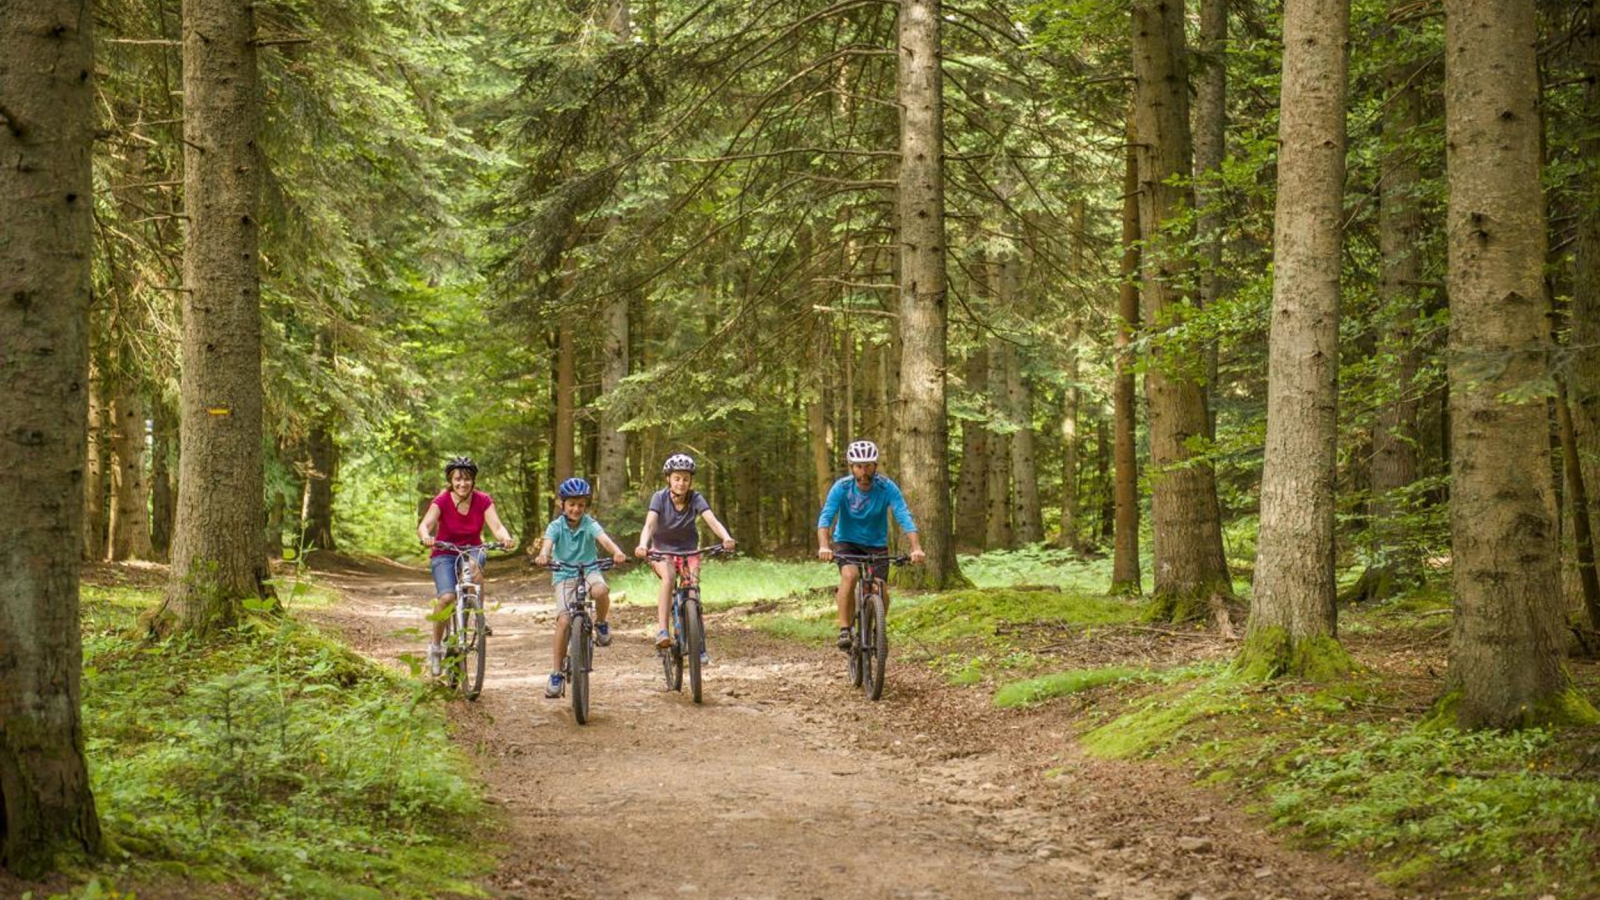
619 557
541 560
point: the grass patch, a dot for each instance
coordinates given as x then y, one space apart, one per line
936 618
725 583
1063 684
1038 565
275 756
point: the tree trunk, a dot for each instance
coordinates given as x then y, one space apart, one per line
1071 529
322 467
217 558
1210 148
817 428
613 472
1102 462
1394 436
94 469
130 507
924 421
162 499
1582 533
1125 577
972 491
48 120
1505 649
998 533
1293 627
565 423
1584 382
1028 513
748 485
1191 575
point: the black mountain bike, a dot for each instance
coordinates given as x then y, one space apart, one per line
684 623
580 634
466 632
869 635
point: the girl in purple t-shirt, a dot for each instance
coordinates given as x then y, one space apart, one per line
670 525
456 516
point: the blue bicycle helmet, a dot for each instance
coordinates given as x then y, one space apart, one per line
573 487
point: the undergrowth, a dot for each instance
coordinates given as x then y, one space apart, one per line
275 756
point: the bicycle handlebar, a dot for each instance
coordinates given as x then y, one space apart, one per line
871 558
713 550
464 548
557 565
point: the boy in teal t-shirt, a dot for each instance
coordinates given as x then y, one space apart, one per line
572 538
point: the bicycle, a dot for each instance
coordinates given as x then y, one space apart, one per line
466 631
579 661
684 624
869 635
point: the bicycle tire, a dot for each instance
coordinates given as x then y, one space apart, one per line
876 653
474 654
693 644
675 651
450 665
578 666
857 635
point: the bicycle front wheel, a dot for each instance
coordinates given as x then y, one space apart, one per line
474 653
875 646
694 643
578 643
858 639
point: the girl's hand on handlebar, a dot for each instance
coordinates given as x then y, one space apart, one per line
728 544
640 551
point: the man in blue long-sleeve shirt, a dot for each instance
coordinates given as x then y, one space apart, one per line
858 508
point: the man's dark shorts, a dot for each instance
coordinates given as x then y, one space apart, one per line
880 570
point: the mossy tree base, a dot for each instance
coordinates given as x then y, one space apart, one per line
1209 602
924 578
1375 584
1270 653
1563 709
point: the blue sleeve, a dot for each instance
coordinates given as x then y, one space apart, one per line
902 512
830 506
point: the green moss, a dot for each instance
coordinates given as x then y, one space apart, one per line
978 613
1565 709
1409 870
1062 684
1270 653
1189 605
1161 718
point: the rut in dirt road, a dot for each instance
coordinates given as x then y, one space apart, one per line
787 783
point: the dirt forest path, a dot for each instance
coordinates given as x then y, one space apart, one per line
786 783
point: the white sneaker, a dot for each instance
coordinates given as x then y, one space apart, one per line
435 658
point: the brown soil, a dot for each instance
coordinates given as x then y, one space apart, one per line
786 783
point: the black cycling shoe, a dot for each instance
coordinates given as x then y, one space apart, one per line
844 639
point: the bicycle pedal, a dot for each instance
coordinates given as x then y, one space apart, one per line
487 631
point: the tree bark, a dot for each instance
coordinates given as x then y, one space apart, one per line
1071 529
94 469
817 424
1191 574
46 130
322 467
972 490
217 558
925 441
998 533
1394 435
1293 627
1584 382
1210 149
1125 577
163 505
1505 651
1028 514
130 507
565 422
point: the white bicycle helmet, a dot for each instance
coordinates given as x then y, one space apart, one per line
678 462
862 452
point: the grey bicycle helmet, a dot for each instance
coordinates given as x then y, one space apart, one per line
678 462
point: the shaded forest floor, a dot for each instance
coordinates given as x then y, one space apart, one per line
1031 742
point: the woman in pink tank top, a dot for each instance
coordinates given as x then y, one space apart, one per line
457 516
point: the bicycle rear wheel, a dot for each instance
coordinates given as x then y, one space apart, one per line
875 646
578 643
694 643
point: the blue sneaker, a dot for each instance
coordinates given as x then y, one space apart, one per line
556 687
705 658
602 633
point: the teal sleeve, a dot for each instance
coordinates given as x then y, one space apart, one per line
902 512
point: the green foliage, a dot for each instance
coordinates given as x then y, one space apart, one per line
275 754
1037 565
1423 803
936 618
732 582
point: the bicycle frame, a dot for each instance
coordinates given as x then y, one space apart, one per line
687 643
869 648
